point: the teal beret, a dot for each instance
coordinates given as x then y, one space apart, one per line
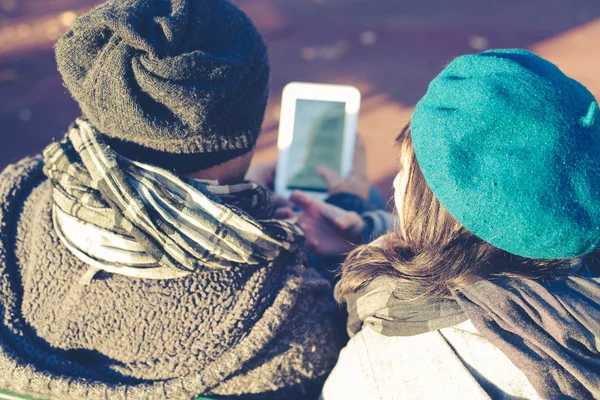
510 146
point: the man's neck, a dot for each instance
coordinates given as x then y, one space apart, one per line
222 177
228 173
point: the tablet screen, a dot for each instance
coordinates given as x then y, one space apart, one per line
318 139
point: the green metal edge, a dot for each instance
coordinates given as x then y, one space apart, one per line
8 395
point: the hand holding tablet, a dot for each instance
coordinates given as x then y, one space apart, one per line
317 127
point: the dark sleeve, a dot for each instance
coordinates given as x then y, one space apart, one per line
350 202
378 222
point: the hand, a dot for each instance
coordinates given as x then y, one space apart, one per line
262 173
357 182
329 230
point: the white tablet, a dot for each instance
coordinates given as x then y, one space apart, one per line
317 127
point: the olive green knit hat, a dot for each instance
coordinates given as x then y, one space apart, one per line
510 146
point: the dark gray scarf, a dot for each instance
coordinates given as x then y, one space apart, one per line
549 329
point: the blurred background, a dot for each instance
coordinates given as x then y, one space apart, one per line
389 49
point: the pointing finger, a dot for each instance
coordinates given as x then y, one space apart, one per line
331 178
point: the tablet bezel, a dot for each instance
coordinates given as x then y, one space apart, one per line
319 92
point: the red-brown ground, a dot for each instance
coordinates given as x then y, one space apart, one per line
389 49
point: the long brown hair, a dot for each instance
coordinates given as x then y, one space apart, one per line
433 253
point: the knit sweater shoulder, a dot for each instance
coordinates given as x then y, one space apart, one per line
249 333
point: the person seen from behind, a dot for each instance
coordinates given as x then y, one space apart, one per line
486 287
135 260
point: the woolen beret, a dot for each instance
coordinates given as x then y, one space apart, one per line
167 78
510 146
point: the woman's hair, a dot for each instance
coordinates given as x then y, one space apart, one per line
433 253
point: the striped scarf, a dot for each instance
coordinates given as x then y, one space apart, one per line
135 219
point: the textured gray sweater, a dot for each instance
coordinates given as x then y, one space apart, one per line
262 332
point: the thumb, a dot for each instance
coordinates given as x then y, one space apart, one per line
359 164
332 212
331 178
348 221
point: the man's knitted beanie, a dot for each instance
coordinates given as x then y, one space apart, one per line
182 84
510 146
